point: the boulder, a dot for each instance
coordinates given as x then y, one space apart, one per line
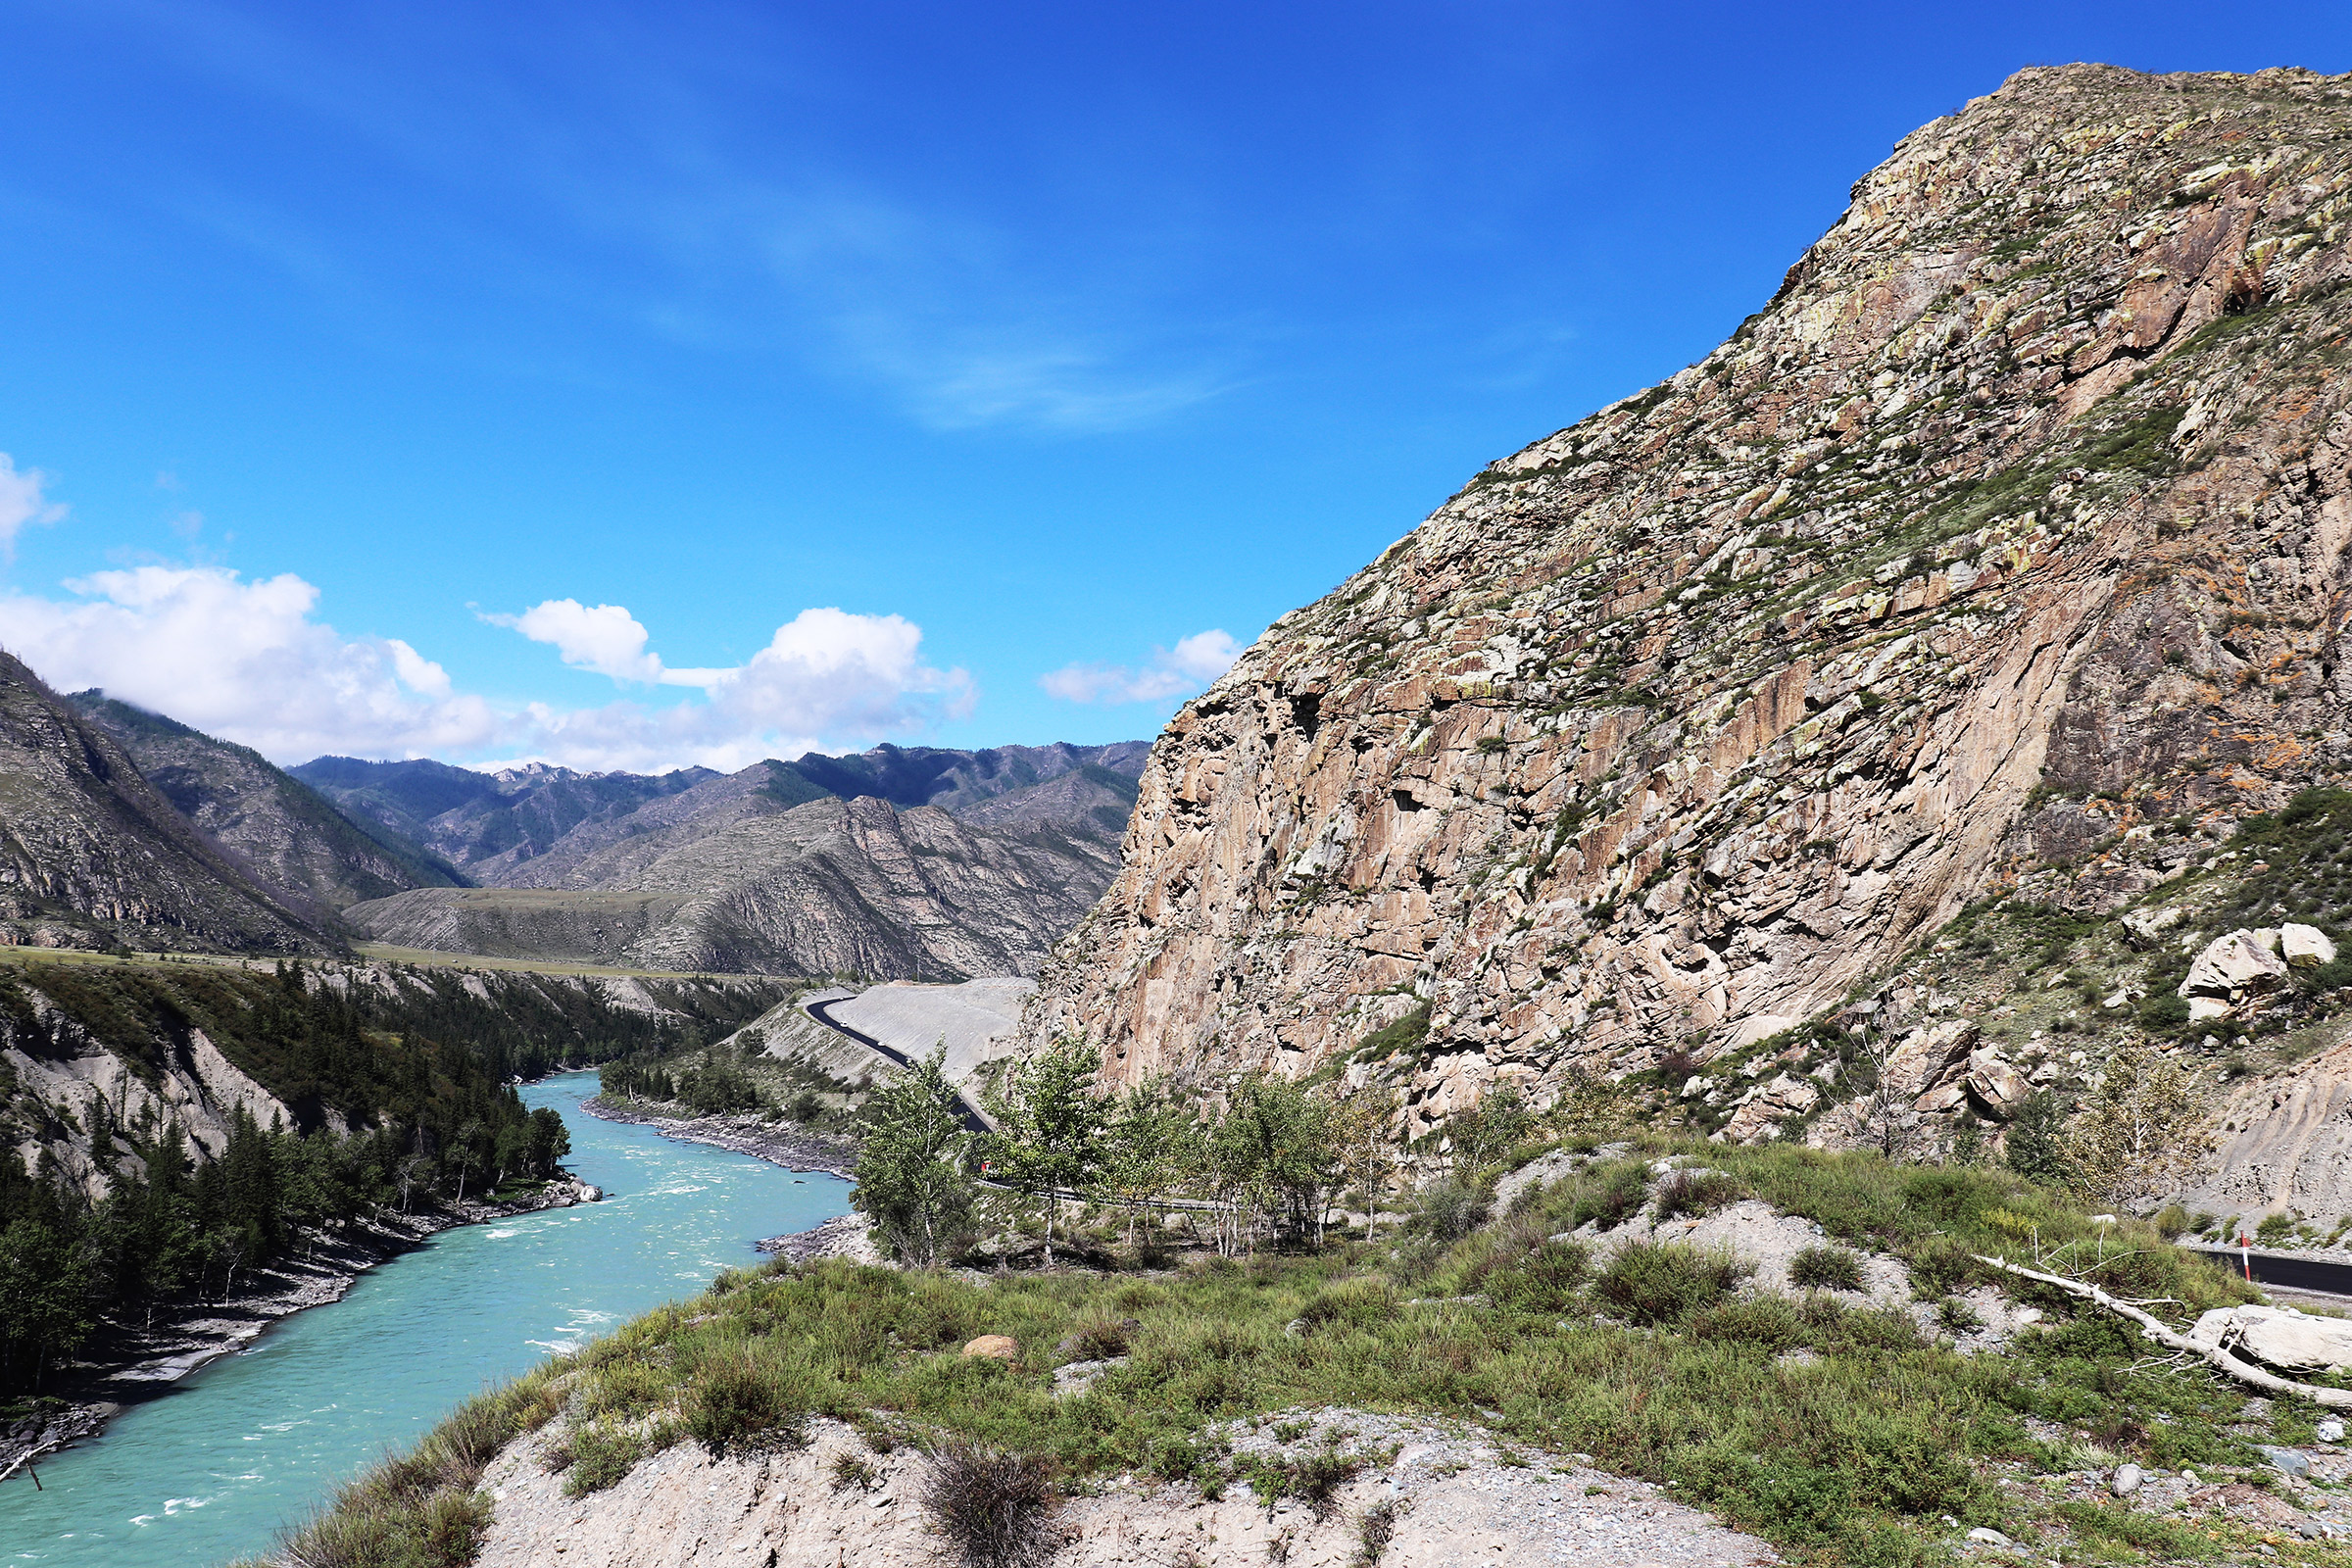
2146 928
2125 1479
1995 1086
2305 946
2230 969
2279 1337
994 1346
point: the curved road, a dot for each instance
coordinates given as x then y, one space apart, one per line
822 1013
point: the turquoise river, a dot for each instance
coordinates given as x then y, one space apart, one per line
212 1470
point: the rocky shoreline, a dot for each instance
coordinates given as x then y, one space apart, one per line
125 1363
796 1149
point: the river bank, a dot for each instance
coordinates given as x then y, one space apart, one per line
125 1362
794 1149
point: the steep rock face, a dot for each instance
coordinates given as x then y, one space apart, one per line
2017 516
92 854
285 834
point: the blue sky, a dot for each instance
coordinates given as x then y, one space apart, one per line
639 384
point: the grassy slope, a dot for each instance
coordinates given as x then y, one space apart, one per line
1854 1455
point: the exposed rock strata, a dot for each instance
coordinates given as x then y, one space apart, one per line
2018 517
281 833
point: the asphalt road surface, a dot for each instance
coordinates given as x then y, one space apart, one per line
2291 1273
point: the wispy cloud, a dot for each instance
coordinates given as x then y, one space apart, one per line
657 196
1191 665
21 504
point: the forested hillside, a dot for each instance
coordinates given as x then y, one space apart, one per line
172 1124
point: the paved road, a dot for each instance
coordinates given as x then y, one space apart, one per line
822 1013
2285 1270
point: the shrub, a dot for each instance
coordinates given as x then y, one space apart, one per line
1957 1315
1941 1265
1314 1478
1663 1283
1544 1280
1350 1303
1826 1268
995 1510
1695 1192
1450 1210
599 1458
1613 1195
735 1402
2274 1229
1099 1342
2172 1221
1770 1321
1374 1532
848 1471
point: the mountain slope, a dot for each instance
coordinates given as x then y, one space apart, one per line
833 886
2006 545
92 854
286 835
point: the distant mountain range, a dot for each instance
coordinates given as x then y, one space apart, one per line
123 826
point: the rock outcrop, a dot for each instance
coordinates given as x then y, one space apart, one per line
92 854
2018 514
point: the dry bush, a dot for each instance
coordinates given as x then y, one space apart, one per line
996 1509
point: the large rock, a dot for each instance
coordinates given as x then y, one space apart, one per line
1996 1086
1713 704
2305 946
2231 968
2279 1337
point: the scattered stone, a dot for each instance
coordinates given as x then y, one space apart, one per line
2287 1461
1985 1536
2329 1431
2125 1479
996 1347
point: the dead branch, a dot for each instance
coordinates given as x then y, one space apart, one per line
2214 1355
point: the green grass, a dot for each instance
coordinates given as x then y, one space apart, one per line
1852 1454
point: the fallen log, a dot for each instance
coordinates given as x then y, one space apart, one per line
2216 1356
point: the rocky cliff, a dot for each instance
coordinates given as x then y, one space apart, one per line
2012 526
92 854
280 832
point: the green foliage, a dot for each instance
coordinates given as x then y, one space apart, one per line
176 1225
1048 1138
913 1171
1449 1210
1695 1193
2037 1145
1826 1268
1653 1283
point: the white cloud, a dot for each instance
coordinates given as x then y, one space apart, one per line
1191 665
606 639
251 663
244 661
21 503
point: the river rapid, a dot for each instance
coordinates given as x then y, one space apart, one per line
214 1469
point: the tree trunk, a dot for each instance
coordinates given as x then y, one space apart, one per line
2214 1355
